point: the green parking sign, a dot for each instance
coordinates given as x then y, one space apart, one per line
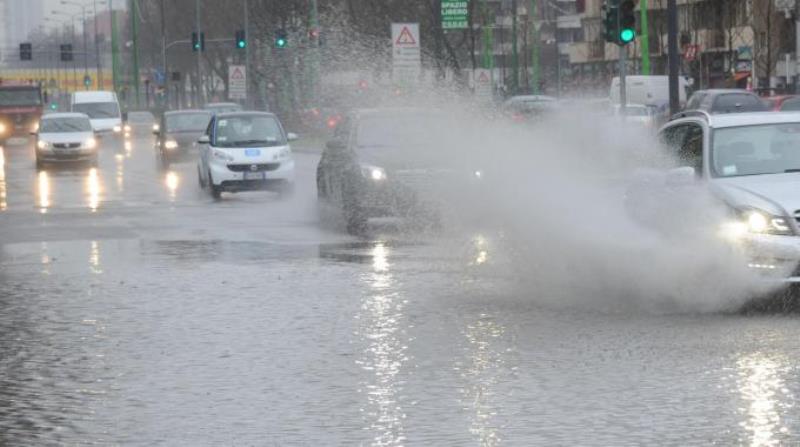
454 14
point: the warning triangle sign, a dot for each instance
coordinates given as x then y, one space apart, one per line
237 74
405 37
483 77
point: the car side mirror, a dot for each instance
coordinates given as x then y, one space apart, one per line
291 136
683 176
336 145
204 140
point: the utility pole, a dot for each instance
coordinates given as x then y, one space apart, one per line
533 16
248 39
796 48
199 93
315 42
645 40
100 84
114 51
134 10
514 49
672 54
164 55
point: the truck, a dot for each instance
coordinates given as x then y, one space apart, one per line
20 109
648 90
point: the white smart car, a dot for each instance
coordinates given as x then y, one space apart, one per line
65 137
245 151
750 163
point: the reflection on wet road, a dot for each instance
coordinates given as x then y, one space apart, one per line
135 309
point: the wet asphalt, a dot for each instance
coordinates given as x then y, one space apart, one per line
136 310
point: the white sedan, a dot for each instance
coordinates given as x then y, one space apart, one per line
65 137
246 151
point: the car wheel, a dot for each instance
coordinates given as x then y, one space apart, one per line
200 180
322 193
216 191
354 215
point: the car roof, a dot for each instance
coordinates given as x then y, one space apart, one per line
531 98
244 113
752 119
92 96
222 104
51 116
187 111
720 91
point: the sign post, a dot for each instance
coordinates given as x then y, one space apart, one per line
454 14
484 87
406 54
237 82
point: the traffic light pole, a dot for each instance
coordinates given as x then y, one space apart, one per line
247 71
672 55
623 69
199 94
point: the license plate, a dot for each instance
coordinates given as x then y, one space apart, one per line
254 176
252 152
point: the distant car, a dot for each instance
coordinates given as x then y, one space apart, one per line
140 122
222 107
103 110
65 137
178 131
784 103
725 101
246 151
528 107
637 113
20 109
389 163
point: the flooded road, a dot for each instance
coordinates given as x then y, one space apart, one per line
136 310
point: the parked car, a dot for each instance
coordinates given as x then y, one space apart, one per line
725 101
65 137
245 151
178 132
528 107
749 164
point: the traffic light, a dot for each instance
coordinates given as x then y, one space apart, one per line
198 42
241 42
66 52
611 20
627 22
281 38
25 51
87 81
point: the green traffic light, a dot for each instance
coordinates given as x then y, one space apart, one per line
241 44
627 35
280 43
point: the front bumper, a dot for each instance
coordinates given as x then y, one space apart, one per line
234 179
773 258
66 156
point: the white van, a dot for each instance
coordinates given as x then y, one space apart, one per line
103 110
648 90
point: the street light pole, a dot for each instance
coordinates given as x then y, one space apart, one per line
164 55
249 40
199 94
672 55
97 50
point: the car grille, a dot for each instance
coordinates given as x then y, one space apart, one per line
261 167
66 145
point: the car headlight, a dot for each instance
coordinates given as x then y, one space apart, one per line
478 174
91 143
127 128
757 222
2 128
117 129
373 173
156 127
171 144
219 155
41 144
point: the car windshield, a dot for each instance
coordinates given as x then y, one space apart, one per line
792 104
97 110
140 118
738 102
20 97
247 131
753 150
187 122
394 130
75 124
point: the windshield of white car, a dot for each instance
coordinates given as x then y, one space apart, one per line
398 130
248 131
97 110
755 150
53 125
187 122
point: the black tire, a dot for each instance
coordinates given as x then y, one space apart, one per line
322 193
354 215
216 191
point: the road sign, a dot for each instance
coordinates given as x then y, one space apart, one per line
454 14
406 55
690 52
483 84
237 82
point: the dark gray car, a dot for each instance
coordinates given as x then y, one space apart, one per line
178 132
